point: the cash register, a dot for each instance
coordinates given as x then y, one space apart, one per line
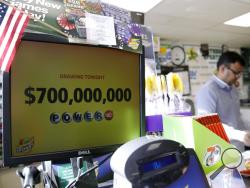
152 161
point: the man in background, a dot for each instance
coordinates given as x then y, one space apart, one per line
220 96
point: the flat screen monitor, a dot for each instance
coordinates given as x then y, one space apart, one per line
62 100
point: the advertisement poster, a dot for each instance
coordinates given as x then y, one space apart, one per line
100 28
69 17
147 40
200 69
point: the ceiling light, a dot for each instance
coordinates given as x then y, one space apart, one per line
134 5
241 21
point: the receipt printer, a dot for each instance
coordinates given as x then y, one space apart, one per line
149 162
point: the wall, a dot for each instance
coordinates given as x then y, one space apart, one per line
9 179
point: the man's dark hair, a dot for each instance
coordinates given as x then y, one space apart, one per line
229 57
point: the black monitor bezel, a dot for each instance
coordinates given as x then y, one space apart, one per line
9 160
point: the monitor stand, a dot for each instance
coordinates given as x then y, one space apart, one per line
84 176
30 176
75 173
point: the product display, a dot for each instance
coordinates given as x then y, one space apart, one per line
213 123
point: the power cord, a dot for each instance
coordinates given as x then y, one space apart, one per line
80 174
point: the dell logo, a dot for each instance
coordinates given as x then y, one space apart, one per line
84 152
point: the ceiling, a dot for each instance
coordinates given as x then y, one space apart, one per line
199 21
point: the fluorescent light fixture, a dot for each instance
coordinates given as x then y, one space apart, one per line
134 5
241 21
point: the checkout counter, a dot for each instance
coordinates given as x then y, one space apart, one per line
207 145
153 161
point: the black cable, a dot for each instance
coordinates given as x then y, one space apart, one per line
88 171
96 166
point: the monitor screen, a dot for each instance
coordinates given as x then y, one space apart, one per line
62 100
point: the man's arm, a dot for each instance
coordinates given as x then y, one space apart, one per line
206 100
233 134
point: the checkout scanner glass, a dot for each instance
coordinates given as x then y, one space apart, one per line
68 100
